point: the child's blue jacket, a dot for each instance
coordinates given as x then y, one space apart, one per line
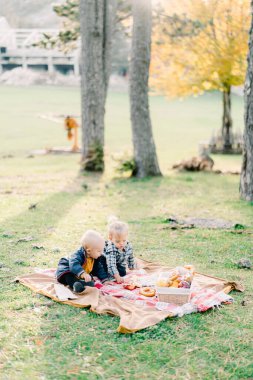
74 264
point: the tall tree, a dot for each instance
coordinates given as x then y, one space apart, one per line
143 142
246 183
96 21
202 45
68 36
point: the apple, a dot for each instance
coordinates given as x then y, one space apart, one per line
129 287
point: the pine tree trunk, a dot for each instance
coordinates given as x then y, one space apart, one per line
96 21
246 182
143 142
227 121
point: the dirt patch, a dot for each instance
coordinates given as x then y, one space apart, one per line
192 222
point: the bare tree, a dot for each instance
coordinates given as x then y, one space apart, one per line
96 22
246 183
144 146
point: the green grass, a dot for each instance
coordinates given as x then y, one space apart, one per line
179 126
40 339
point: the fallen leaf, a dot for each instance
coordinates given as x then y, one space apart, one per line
25 239
73 371
35 246
39 342
32 206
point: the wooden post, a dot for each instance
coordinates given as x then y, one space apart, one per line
75 146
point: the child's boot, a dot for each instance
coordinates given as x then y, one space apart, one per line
78 287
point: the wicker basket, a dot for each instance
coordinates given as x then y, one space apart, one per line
178 296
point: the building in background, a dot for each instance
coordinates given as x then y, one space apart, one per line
17 50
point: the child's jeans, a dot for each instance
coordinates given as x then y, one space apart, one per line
69 279
121 268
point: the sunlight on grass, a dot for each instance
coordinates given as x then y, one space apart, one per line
41 339
179 126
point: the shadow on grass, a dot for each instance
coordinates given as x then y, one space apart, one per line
36 224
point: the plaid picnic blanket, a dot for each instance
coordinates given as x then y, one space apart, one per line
200 301
135 311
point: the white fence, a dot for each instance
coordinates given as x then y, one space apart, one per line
17 50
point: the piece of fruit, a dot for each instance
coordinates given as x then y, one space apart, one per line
174 277
184 284
129 287
174 284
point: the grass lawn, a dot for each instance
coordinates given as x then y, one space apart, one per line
40 339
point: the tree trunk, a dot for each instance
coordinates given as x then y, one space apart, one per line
96 21
143 142
246 182
227 121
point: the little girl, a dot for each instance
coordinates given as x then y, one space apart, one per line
118 252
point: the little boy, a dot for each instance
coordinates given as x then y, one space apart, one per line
118 251
77 271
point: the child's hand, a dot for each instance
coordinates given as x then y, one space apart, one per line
86 277
118 279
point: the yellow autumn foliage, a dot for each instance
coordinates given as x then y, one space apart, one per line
206 51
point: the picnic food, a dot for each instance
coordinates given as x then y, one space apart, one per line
163 282
181 277
129 286
190 268
184 284
175 284
132 283
147 291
